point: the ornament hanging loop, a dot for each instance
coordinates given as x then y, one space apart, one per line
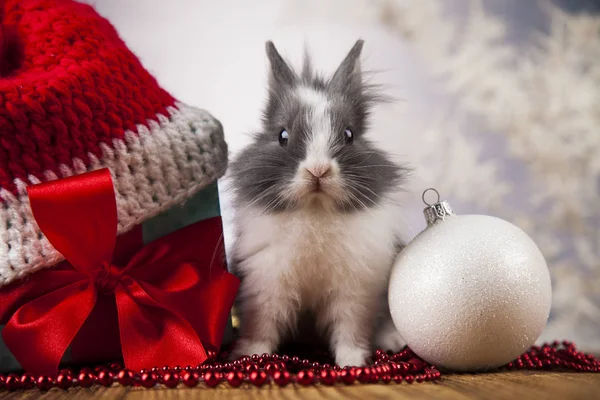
425 192
437 211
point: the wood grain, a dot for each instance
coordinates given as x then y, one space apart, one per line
502 385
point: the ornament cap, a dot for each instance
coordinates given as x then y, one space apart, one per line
438 211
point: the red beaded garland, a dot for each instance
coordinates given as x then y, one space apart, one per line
283 369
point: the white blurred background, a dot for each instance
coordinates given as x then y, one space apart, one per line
498 104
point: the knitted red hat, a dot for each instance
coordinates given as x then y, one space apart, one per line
73 99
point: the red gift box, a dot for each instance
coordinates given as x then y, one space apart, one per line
165 303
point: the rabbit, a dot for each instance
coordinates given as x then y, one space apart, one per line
315 225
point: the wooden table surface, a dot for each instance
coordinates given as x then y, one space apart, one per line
501 385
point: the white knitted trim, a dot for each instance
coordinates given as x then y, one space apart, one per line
165 163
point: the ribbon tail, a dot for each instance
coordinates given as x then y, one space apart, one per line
40 332
152 334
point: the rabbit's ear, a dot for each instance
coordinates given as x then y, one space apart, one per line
349 71
281 74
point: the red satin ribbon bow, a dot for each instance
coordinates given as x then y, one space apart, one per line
172 296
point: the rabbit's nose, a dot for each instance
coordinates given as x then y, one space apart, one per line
319 170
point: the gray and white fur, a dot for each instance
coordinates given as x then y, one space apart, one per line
316 229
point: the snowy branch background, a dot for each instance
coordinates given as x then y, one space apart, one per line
498 104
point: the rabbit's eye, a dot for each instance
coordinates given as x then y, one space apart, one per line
283 137
348 136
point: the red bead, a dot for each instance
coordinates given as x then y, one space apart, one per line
398 378
409 378
258 378
211 354
281 378
270 368
251 367
170 379
235 378
27 381
85 378
363 374
116 367
254 357
13 382
420 378
125 377
44 383
348 375
2 381
148 379
305 363
305 377
104 378
386 379
64 381
328 377
212 379
190 378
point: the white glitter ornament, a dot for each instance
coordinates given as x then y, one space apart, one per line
470 292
